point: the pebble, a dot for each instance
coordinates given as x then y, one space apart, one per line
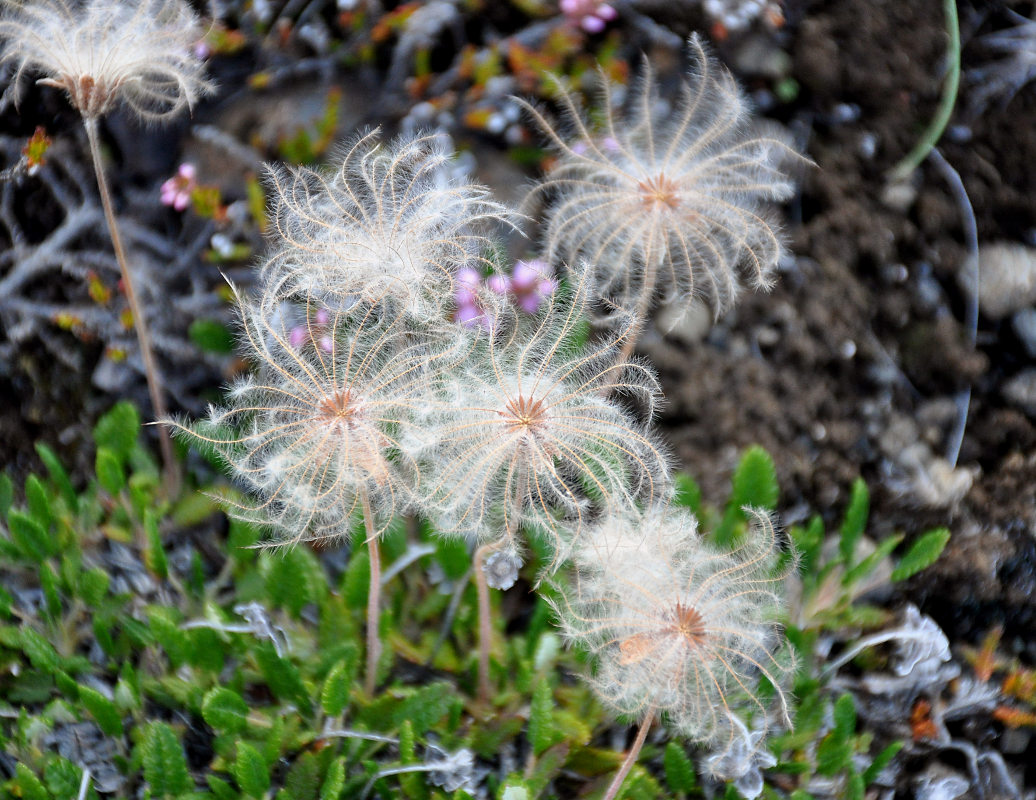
1007 278
1021 391
1024 324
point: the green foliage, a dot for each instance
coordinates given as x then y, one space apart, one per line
163 760
250 771
754 485
679 771
921 554
211 336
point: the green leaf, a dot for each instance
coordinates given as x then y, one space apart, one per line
109 471
221 789
49 585
167 633
452 555
26 785
101 709
57 474
542 731
62 777
154 555
38 500
921 554
881 760
412 784
855 521
39 651
165 767
754 485
30 537
334 780
688 493
6 494
867 565
224 710
845 717
356 579
250 771
303 779
679 771
334 697
211 336
282 677
118 429
424 707
93 586
854 786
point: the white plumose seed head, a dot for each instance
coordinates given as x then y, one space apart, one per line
325 423
533 427
677 626
105 51
391 221
667 204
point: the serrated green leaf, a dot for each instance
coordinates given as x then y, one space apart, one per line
424 707
166 631
30 537
118 429
679 771
154 555
26 785
250 771
282 677
334 697
881 760
452 555
356 579
514 791
834 755
225 710
922 554
855 521
854 786
548 765
221 789
412 784
334 780
109 471
754 485
165 767
303 779
205 649
62 777
211 336
542 732
101 709
58 475
294 579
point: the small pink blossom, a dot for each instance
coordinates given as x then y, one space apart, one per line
176 191
530 283
591 15
469 311
316 331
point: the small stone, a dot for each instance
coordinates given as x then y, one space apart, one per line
1007 278
1024 324
1021 390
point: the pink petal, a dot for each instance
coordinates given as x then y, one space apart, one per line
592 24
297 336
500 284
322 317
606 12
187 171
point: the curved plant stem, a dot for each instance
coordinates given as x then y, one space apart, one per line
373 598
485 627
935 128
154 384
631 756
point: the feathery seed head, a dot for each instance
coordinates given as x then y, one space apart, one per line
105 51
533 428
669 204
391 221
675 624
325 425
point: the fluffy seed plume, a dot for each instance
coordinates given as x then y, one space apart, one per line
533 427
102 52
667 203
677 626
323 426
391 221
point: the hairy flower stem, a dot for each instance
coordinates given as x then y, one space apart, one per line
373 597
631 756
485 628
154 384
643 305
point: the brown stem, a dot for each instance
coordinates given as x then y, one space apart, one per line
631 757
373 598
147 353
485 627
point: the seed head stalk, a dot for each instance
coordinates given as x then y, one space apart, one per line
154 384
631 756
485 627
373 596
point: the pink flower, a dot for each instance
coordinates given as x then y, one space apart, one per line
176 191
469 311
591 15
316 331
531 282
